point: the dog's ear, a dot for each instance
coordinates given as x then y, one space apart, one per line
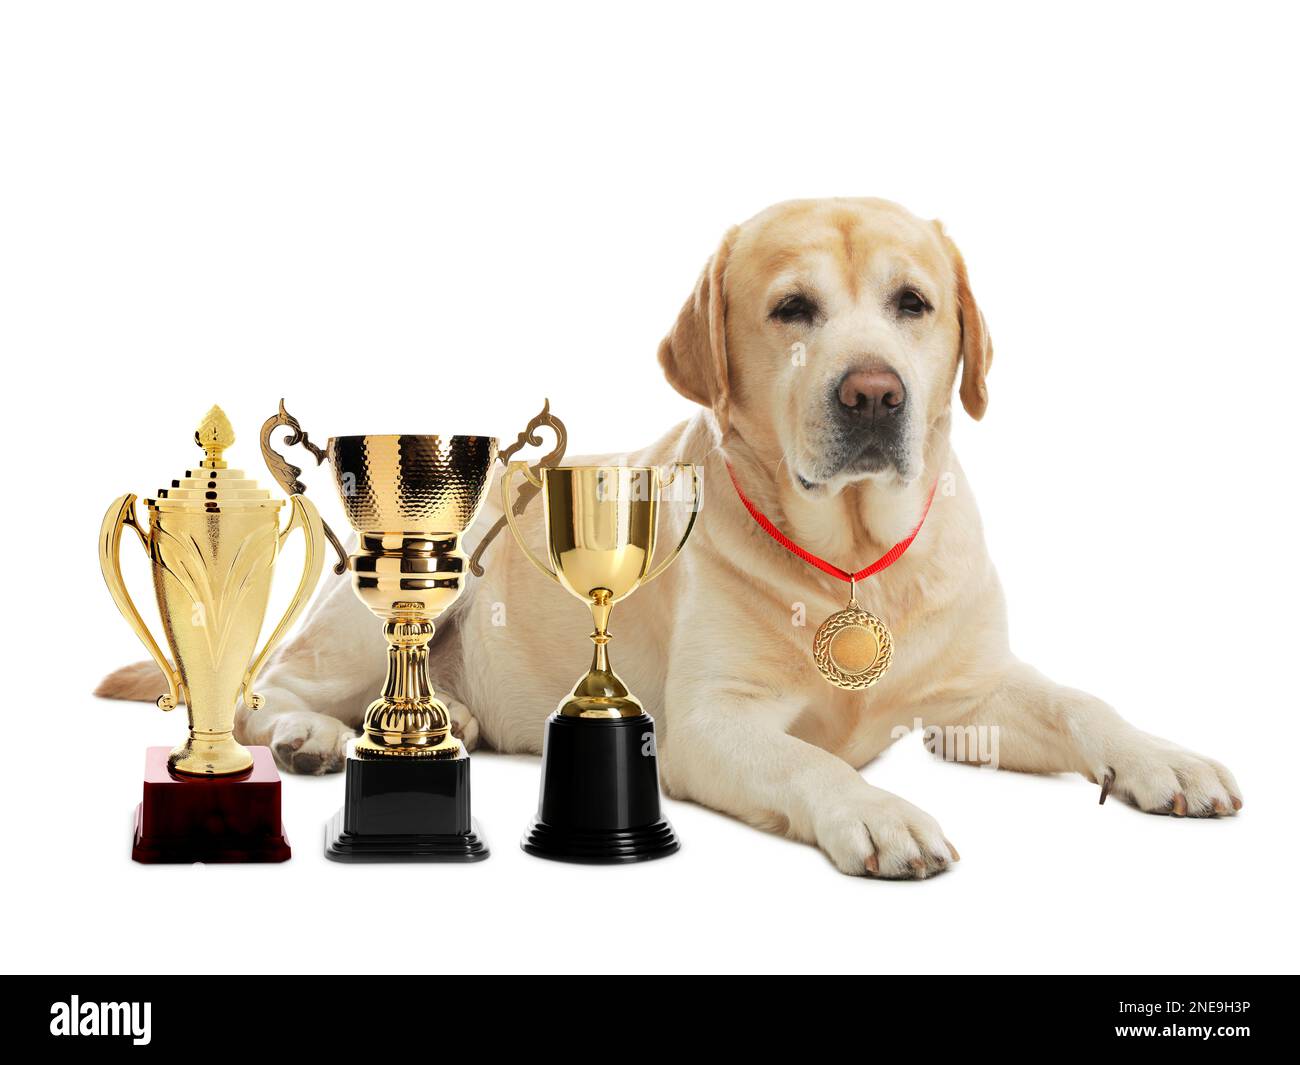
976 344
694 353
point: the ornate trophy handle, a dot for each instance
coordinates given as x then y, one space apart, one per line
286 473
305 517
526 493
536 483
677 467
121 515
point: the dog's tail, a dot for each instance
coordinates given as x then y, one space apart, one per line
142 680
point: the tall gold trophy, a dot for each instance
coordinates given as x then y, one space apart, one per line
410 499
212 541
600 781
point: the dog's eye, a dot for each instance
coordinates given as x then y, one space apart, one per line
911 303
795 308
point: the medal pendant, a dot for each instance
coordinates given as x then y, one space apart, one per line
853 648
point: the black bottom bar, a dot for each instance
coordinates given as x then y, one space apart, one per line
1141 1014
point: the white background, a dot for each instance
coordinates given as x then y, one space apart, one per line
425 218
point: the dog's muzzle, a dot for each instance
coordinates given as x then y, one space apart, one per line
869 415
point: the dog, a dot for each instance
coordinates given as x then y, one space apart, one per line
823 342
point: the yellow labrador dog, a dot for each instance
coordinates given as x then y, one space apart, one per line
823 341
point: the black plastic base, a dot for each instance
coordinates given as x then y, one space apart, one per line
344 846
405 810
600 794
601 848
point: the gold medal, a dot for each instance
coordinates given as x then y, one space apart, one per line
852 648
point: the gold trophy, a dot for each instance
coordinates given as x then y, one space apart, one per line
212 541
410 500
600 782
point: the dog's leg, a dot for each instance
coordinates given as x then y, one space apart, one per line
318 685
1042 727
737 757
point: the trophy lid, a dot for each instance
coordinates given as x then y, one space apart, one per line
213 486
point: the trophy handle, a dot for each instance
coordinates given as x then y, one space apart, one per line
526 493
286 473
677 468
121 515
522 467
307 518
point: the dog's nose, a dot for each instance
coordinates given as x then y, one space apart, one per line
871 395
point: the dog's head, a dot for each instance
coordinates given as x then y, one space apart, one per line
829 333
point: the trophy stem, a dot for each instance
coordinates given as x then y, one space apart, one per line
408 661
407 719
600 655
601 606
601 694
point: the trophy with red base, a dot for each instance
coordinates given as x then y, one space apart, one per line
212 539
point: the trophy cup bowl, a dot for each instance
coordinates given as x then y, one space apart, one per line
410 500
600 782
212 541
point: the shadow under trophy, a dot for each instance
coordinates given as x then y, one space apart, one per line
410 499
212 541
600 780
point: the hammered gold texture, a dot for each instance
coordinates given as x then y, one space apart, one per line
428 484
410 499
852 616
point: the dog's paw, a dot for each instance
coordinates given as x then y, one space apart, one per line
464 726
878 834
309 743
1162 778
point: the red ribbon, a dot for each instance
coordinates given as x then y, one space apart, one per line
887 559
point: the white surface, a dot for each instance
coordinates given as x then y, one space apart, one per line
424 219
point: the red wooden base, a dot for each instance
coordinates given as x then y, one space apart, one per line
210 819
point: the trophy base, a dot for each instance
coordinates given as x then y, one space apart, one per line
344 846
186 819
405 809
600 794
600 848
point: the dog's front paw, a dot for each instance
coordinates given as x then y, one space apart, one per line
874 833
1162 778
464 726
306 742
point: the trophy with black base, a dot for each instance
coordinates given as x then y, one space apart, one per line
212 540
600 780
410 499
